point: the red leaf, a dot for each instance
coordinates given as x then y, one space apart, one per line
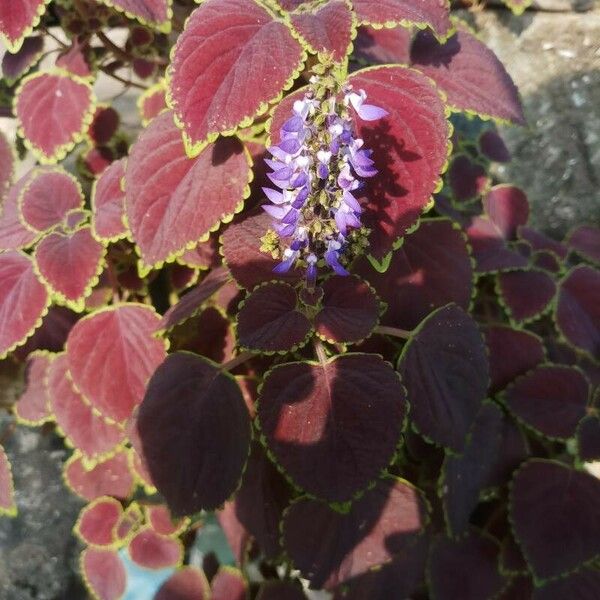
104 126
308 411
269 320
159 518
74 60
60 98
526 293
32 407
150 550
229 584
188 583
328 29
70 264
111 355
49 194
470 74
430 270
551 399
13 234
445 369
232 59
383 46
87 431
23 301
192 409
507 208
14 66
154 13
410 148
424 13
7 489
110 477
108 204
17 19
554 515
104 573
350 310
578 309
163 188
331 547
97 522
585 240
152 102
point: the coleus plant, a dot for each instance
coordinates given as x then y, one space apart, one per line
296 297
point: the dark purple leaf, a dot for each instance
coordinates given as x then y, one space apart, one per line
513 450
540 241
582 585
492 146
280 590
468 179
588 438
14 66
585 240
526 293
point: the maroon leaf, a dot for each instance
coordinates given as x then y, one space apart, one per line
192 409
526 293
108 204
60 98
309 411
585 240
547 260
512 560
23 301
281 590
14 66
492 146
85 430
269 320
47 196
540 241
330 547
426 13
7 489
588 438
551 398
17 19
328 29
554 514
191 303
52 334
203 256
514 449
507 208
519 588
470 74
577 313
431 269
163 188
467 178
152 102
110 477
229 584
111 355
445 369
188 583
463 476
410 150
104 126
70 264
512 352
97 522
465 569
383 46
154 13
151 550
104 573
350 310
232 59
32 406
582 585
241 250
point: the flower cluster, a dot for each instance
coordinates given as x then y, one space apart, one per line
317 168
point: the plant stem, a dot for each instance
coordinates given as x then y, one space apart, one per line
395 331
320 351
126 82
236 361
110 45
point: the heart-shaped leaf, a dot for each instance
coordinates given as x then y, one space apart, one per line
309 411
328 29
57 97
470 74
164 189
152 102
551 398
585 240
467 179
540 241
492 146
432 268
526 293
111 355
330 547
32 408
85 430
103 573
108 204
14 66
160 519
192 409
7 488
233 58
382 46
151 550
391 13
445 369
70 264
153 13
17 19
577 313
269 320
554 514
23 300
97 522
188 583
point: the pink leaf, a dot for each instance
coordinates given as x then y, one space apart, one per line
97 522
17 19
108 204
13 234
104 573
154 551
154 13
7 490
32 407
